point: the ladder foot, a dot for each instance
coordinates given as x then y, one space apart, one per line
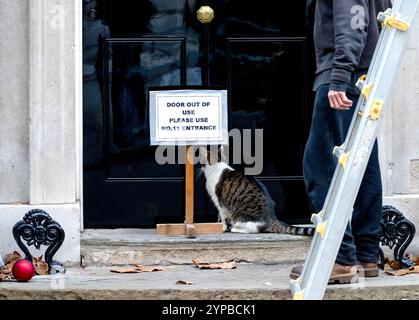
297 293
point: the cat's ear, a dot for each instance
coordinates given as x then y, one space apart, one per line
203 155
202 150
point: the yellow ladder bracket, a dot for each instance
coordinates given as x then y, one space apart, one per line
376 109
395 22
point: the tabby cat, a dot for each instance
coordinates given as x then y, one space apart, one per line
243 203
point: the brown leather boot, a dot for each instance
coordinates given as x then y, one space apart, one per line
368 270
340 274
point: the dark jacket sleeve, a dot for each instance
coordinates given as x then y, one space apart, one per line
351 20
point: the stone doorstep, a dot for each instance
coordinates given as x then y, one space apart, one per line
247 282
129 246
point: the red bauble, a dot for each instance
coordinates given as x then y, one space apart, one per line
23 270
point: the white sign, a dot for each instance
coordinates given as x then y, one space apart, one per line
188 117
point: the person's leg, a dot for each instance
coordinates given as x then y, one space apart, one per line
319 162
367 212
343 119
329 129
365 222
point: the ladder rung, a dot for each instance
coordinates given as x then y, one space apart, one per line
321 229
361 82
317 218
342 156
366 90
319 224
393 21
338 151
363 87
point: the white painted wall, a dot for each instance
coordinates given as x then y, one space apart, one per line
14 101
52 104
399 138
401 130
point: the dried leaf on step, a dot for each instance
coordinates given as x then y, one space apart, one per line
10 259
5 271
413 259
402 272
224 266
184 283
215 266
396 273
395 265
414 270
142 268
41 267
5 277
125 270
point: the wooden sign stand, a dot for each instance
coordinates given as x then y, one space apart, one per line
190 229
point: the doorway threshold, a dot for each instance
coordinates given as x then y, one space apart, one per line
138 246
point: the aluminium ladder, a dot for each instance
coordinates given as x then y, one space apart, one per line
354 154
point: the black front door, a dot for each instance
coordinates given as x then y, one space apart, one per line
260 53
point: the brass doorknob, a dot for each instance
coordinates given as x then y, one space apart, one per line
205 14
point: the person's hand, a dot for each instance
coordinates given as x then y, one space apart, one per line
339 101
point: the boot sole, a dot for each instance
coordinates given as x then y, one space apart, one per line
294 276
369 273
346 278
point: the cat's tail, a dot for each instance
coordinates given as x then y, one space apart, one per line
281 227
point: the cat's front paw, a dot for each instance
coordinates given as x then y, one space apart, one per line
227 226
